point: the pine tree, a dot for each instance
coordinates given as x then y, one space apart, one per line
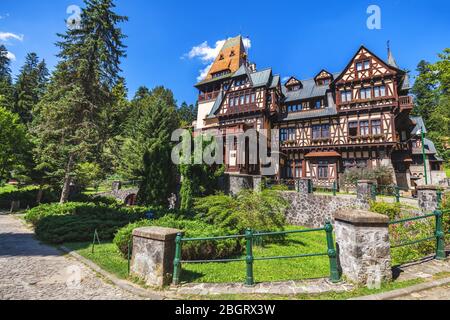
187 114
424 91
6 87
146 153
30 86
71 119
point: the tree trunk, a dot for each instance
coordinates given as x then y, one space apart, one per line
39 194
67 180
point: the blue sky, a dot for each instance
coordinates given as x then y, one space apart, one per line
293 37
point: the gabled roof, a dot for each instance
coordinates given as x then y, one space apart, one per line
362 47
323 71
276 81
217 104
315 113
292 82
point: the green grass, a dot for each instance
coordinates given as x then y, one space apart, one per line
271 270
447 171
109 258
106 256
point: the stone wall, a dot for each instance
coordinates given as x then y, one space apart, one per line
313 211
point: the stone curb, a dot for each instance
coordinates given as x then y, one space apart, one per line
406 291
123 284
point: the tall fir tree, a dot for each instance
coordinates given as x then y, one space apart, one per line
6 86
146 153
30 86
424 91
71 120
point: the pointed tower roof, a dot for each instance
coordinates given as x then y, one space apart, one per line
391 59
230 58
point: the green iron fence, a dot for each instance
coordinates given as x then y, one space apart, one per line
439 234
396 192
250 259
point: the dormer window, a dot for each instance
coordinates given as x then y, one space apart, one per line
232 54
293 84
324 78
221 57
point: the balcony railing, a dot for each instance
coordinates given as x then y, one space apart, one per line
405 102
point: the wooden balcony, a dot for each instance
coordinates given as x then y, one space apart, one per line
406 103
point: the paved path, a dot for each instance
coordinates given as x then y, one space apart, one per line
32 271
440 293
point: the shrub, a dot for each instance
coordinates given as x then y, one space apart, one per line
411 231
392 210
27 196
192 229
76 222
382 174
261 211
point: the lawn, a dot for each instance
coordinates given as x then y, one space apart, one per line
109 258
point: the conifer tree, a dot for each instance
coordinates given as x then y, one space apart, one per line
6 87
70 124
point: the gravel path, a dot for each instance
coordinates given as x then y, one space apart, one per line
30 270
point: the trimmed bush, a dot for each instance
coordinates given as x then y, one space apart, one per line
76 222
192 229
27 196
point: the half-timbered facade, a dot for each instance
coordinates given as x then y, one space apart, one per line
359 117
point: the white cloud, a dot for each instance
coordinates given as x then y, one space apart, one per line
208 54
11 56
5 36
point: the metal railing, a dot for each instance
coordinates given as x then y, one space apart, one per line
439 234
395 191
249 258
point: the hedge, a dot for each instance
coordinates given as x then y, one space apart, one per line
196 250
76 222
27 197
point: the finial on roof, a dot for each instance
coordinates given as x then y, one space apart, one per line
391 59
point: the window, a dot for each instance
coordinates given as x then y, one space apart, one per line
316 132
242 99
291 134
325 131
321 131
318 104
365 93
231 102
379 91
363 65
376 127
295 107
253 98
221 57
353 129
323 170
283 134
288 169
346 96
364 128
298 168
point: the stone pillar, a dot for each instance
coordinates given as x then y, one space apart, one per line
303 186
153 255
257 182
362 241
116 186
428 198
364 192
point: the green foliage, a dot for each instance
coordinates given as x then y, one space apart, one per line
261 211
88 174
192 229
27 196
146 151
381 174
73 120
6 87
392 210
410 231
76 221
30 86
13 141
432 103
187 114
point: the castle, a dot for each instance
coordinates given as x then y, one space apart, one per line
357 118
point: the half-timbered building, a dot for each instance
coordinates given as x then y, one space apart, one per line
359 117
